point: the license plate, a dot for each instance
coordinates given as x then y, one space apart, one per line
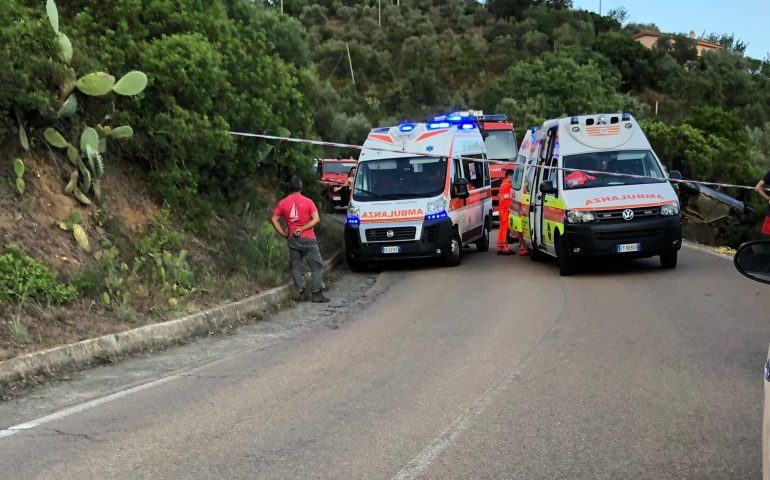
629 247
336 199
395 249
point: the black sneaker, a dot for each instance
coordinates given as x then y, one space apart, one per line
318 297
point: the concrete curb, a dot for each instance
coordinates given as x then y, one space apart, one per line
87 352
707 249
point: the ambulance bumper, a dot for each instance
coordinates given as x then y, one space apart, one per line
653 236
434 242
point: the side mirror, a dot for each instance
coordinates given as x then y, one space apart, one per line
460 188
684 187
753 260
548 188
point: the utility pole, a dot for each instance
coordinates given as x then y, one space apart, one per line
379 13
350 62
281 7
600 7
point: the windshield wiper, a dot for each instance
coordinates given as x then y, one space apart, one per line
378 195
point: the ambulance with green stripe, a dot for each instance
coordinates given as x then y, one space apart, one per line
523 176
598 189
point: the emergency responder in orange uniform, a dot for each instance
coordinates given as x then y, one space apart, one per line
503 211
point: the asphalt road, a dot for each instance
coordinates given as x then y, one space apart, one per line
496 369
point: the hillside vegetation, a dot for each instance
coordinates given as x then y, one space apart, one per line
172 211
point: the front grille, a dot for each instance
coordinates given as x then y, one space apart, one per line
399 234
628 234
617 215
429 233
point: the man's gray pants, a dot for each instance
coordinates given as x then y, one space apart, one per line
301 249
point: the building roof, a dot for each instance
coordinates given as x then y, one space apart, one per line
652 33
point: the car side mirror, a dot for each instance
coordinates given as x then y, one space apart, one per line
460 188
753 260
548 188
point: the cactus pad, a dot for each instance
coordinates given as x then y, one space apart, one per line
132 83
124 131
96 84
68 107
54 138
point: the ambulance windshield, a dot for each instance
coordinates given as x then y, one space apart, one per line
625 162
397 178
500 145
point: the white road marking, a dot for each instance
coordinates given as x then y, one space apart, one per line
415 468
83 407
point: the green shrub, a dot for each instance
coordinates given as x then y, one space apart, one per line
29 66
24 279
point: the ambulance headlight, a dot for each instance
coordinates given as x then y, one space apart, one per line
670 209
577 216
436 206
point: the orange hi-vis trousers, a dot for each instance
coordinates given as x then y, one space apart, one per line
502 233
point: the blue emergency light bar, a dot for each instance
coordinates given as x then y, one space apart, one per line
497 117
438 125
467 126
406 127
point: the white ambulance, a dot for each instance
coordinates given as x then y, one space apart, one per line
422 190
601 191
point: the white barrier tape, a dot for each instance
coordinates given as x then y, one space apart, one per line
321 143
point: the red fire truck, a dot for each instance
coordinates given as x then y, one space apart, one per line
500 142
333 173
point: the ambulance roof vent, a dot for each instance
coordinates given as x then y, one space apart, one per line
575 121
626 117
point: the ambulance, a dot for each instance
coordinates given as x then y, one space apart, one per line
523 176
422 190
601 191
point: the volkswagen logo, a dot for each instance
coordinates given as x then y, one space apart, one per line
628 214
390 233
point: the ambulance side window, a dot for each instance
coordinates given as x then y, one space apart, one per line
553 173
474 171
457 170
518 175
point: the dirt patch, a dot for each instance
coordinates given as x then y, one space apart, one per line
121 219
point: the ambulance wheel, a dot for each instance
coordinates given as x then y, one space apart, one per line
455 251
668 260
482 244
566 262
355 265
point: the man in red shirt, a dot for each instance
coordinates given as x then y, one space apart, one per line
300 215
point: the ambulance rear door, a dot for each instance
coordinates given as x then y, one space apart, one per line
547 163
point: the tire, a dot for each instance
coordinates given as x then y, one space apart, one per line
455 251
482 244
566 262
668 260
356 266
